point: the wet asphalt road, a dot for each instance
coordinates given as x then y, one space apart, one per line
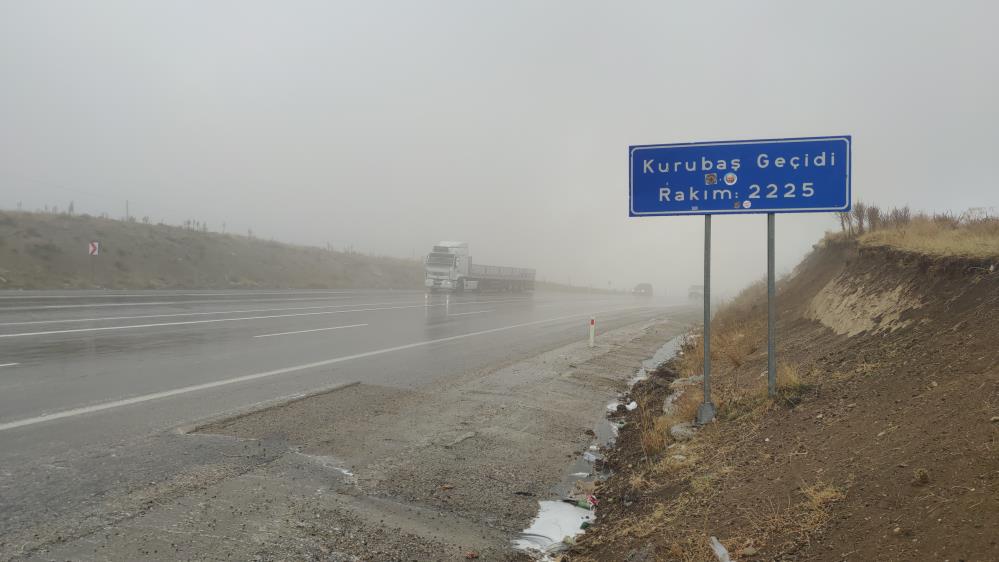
91 383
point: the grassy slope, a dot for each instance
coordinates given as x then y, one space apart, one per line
924 235
45 251
973 234
881 445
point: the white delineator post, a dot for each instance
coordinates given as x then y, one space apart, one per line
593 329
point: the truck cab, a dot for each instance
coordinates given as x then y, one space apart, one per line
447 267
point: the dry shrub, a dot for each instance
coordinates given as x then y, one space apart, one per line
637 481
685 406
654 425
653 428
788 377
802 519
738 330
820 495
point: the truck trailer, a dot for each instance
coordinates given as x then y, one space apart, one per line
449 268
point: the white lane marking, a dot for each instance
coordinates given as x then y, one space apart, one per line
189 322
313 330
254 310
220 312
205 386
467 313
158 303
8 364
178 314
149 296
462 303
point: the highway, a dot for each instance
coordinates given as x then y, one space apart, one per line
92 383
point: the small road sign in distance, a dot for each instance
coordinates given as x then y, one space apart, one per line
796 175
94 248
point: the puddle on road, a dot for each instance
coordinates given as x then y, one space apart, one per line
557 520
663 354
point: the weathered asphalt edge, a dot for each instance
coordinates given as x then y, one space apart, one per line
259 407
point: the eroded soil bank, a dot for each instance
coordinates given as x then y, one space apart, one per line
884 445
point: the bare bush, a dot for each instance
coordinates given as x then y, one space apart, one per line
873 218
859 216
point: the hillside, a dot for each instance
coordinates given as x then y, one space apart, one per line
49 251
883 442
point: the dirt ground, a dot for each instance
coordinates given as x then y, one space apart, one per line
886 448
449 471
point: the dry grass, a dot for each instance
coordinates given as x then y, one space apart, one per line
788 377
974 233
654 425
738 331
654 430
941 238
820 495
638 481
772 519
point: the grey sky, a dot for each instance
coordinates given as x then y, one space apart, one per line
390 125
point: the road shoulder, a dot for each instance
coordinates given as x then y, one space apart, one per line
374 472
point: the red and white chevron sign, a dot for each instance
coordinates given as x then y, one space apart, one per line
95 248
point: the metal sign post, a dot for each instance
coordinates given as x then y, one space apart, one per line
798 175
706 411
771 311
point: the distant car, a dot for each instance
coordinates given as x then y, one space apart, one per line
695 293
643 289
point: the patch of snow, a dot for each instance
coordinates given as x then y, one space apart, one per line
556 521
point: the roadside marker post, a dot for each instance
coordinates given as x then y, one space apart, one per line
593 330
93 250
792 175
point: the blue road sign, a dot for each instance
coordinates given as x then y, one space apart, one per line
755 176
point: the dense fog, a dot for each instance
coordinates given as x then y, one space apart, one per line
387 126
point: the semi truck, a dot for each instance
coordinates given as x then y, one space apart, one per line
449 268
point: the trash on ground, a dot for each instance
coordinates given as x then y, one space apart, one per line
632 405
721 553
590 456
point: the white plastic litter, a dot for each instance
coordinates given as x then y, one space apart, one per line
555 522
632 405
721 553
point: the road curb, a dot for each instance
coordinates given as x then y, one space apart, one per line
259 407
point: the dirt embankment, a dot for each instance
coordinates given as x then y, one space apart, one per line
49 251
882 445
